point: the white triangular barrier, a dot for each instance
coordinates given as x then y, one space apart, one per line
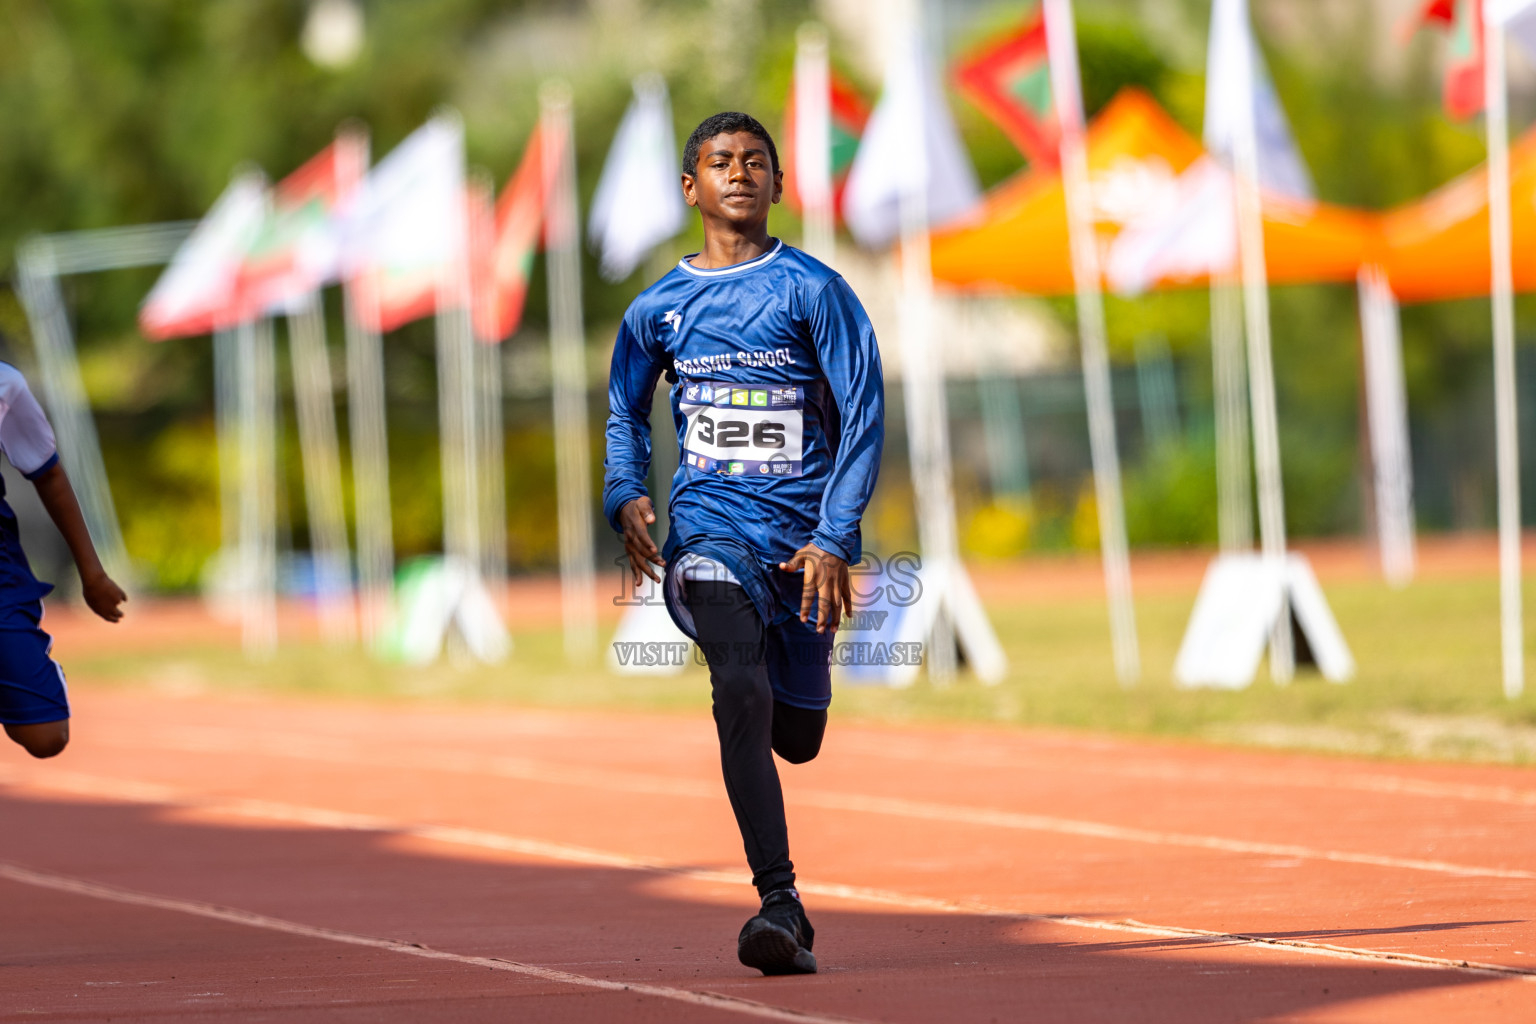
648 642
1239 604
438 595
895 608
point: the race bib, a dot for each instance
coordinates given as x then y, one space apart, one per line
742 430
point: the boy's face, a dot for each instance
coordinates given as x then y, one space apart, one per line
734 181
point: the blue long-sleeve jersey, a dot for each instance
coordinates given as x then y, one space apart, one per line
779 404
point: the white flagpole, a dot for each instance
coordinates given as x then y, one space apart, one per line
1066 87
922 372
567 341
226 428
492 472
370 468
258 486
316 408
456 394
813 141
456 401
1261 371
1234 484
1387 415
1505 409
369 444
490 500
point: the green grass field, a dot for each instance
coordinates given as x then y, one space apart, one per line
1428 683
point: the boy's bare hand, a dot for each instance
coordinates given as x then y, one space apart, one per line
103 596
826 583
636 517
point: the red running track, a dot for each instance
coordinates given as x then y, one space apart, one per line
276 859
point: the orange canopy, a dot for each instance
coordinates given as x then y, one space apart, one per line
1018 239
1438 247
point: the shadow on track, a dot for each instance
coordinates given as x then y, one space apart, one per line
66 956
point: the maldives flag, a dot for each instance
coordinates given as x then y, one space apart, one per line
850 113
503 256
1463 91
1463 87
299 248
405 232
197 293
1010 80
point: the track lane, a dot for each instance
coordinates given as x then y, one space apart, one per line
1000 891
898 965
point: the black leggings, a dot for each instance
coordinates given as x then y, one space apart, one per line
752 725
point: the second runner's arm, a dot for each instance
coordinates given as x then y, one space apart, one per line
626 502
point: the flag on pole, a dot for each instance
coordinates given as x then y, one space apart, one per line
1462 91
1281 167
1192 234
197 293
1433 13
891 163
299 247
1464 67
1010 80
1518 19
405 232
850 113
503 269
639 199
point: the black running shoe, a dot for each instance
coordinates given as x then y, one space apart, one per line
778 939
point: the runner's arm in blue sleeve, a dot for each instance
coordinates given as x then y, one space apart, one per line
850 358
631 388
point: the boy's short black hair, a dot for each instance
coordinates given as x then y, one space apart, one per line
726 123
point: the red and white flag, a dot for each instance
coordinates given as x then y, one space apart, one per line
504 257
846 114
1463 19
405 234
298 250
198 292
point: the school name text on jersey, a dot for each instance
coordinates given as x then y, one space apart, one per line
705 365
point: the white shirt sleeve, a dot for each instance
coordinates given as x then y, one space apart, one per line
25 436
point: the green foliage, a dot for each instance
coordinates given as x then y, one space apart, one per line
1170 498
115 114
174 527
1113 55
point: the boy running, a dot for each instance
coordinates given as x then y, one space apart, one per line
779 405
34 706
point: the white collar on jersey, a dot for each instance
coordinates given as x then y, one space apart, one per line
735 268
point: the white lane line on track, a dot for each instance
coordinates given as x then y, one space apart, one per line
1099 830
232 915
1116 763
231 741
482 839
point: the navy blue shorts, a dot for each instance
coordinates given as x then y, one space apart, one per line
799 662
31 683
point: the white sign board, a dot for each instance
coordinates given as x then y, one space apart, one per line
648 642
895 606
442 594
1239 604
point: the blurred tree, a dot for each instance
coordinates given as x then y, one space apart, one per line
127 113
